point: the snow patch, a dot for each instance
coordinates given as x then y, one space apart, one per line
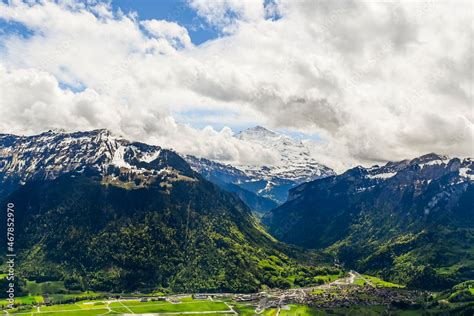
463 172
118 159
386 175
149 157
437 162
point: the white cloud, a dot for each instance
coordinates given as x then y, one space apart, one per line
171 31
225 13
33 102
376 80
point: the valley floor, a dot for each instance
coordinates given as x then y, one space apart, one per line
353 294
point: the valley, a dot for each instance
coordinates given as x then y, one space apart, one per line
352 293
236 157
104 225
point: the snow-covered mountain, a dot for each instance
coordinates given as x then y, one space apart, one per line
51 154
294 166
295 163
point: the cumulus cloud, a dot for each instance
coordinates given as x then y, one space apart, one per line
32 101
376 81
171 31
226 13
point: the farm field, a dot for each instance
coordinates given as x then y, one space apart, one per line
248 310
129 307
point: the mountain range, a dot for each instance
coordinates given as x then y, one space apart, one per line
101 212
411 221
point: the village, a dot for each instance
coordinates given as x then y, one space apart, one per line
348 291
343 292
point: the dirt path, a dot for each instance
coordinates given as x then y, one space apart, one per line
126 307
363 278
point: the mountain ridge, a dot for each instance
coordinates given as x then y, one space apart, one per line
394 220
53 153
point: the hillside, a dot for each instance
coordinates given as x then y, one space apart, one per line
411 222
194 237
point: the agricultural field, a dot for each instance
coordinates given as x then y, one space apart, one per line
374 281
98 307
379 282
24 300
294 310
328 278
249 310
340 298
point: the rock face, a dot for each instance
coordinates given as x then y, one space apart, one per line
401 219
100 212
271 182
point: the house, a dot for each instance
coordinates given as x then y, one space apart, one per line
200 296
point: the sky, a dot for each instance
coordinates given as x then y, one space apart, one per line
361 82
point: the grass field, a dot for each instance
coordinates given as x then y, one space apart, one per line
246 310
31 299
299 310
317 291
380 283
294 310
58 298
374 281
327 278
34 288
131 307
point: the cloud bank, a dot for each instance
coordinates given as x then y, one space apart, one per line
376 81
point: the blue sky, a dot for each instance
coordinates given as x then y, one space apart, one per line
170 10
13 28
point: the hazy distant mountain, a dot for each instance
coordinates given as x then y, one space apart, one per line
411 221
271 182
100 212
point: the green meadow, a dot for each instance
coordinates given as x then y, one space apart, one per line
131 307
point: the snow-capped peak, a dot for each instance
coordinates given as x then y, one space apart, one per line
295 163
294 166
430 160
256 133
